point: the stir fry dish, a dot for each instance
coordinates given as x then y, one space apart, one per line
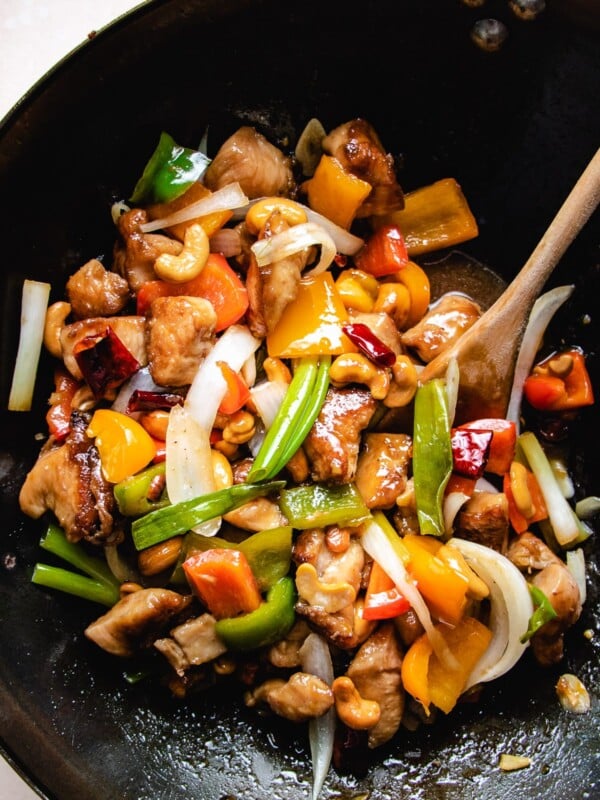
245 470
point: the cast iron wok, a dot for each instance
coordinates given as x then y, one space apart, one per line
515 128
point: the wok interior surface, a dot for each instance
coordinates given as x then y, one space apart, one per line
515 128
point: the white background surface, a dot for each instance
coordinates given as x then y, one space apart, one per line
34 35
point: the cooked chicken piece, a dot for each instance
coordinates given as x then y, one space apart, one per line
249 158
382 470
192 643
180 334
550 574
135 620
409 627
357 147
129 330
382 325
68 481
135 252
442 325
285 654
375 671
333 441
96 292
299 699
484 519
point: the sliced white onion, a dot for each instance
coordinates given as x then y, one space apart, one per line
510 609
452 378
453 502
34 304
225 199
561 473
268 397
188 453
315 659
576 566
294 240
542 312
377 544
483 485
248 371
346 243
308 149
587 507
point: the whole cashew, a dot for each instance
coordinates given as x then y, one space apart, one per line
55 319
330 596
404 384
356 368
352 709
190 262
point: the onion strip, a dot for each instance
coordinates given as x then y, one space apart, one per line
294 240
34 304
225 199
511 608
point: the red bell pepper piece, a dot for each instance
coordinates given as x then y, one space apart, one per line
58 417
504 442
470 451
104 361
224 582
217 283
383 600
370 344
238 392
384 253
547 390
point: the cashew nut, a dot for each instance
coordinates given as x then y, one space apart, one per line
55 319
221 468
190 262
404 384
276 370
520 489
155 422
394 299
330 596
356 368
159 557
259 213
240 428
352 709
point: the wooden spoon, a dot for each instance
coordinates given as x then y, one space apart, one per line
487 352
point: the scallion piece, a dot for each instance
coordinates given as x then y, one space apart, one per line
317 505
157 526
54 541
72 583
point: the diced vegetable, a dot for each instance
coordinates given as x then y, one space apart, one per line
133 493
223 580
170 171
336 193
503 445
559 383
312 324
384 253
318 505
526 503
383 600
544 612
34 304
470 451
104 361
432 455
434 217
210 222
238 392
296 239
125 447
270 622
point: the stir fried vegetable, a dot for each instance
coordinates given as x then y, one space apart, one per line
273 490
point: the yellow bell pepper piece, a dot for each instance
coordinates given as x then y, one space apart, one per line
444 589
210 222
312 323
124 445
336 193
434 217
416 281
428 681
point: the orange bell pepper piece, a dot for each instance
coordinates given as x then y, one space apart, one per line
434 217
217 283
336 193
125 447
224 582
384 253
504 442
442 587
549 390
237 394
415 669
312 323
197 191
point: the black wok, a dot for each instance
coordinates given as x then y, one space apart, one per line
515 128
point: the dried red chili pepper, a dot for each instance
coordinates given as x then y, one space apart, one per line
104 361
141 400
470 451
368 343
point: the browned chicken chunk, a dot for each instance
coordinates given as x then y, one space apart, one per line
357 147
192 643
94 291
68 481
375 671
135 621
180 334
382 325
550 574
299 699
382 471
129 330
333 441
442 325
484 519
249 159
135 252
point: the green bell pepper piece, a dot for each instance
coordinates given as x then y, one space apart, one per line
270 622
543 613
432 455
171 170
317 505
131 494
